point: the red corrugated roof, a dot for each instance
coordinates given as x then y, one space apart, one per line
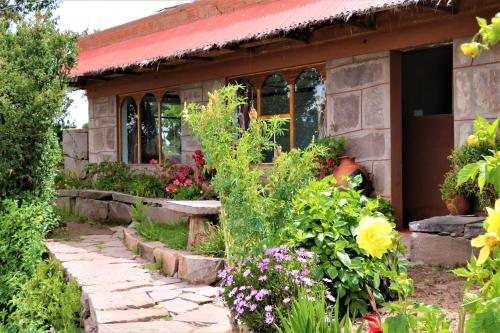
216 31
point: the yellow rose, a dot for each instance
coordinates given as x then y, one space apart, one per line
374 235
492 222
487 242
471 49
472 140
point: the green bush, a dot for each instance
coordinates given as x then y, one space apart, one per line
191 192
175 236
46 301
35 60
211 242
323 220
144 185
22 231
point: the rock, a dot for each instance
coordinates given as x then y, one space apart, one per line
67 193
147 249
125 198
207 314
130 315
131 239
448 224
169 260
178 306
199 269
121 286
95 194
120 300
474 229
165 215
439 250
93 209
195 298
163 295
119 212
157 326
444 233
65 204
193 207
210 292
197 227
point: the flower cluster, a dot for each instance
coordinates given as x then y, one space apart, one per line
173 174
327 167
199 162
180 180
258 288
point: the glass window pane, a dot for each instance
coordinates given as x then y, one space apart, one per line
282 140
149 129
171 126
309 103
275 96
250 94
129 131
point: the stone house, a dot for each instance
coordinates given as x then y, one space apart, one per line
388 74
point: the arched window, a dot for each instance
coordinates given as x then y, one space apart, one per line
171 125
250 94
275 101
149 129
308 108
129 130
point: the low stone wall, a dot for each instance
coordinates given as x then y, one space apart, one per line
113 207
75 146
180 264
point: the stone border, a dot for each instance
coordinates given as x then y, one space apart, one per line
183 265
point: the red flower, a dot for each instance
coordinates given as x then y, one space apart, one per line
211 227
181 176
188 182
373 324
153 162
170 188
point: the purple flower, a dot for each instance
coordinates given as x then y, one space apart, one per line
271 251
229 280
278 267
329 296
304 271
246 273
252 307
262 278
327 280
259 296
268 308
269 318
233 292
240 296
286 288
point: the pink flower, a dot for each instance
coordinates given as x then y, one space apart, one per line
153 162
177 182
188 182
181 175
170 188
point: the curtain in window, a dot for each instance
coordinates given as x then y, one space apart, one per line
149 128
129 131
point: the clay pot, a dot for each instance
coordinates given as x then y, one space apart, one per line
459 205
349 167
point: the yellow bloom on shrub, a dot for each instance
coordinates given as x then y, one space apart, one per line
39 218
374 235
472 140
487 242
471 49
492 222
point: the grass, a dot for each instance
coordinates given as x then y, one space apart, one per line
175 236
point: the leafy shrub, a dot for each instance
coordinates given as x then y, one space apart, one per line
144 185
175 236
324 220
211 242
139 212
257 289
46 301
36 59
449 187
191 192
70 180
22 231
109 176
333 148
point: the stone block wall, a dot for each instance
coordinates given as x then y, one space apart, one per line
75 150
102 129
194 93
358 104
476 88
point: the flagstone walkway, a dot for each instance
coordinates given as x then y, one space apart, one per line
120 294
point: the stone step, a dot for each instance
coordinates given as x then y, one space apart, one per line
448 224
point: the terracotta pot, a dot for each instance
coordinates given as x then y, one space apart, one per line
459 205
349 167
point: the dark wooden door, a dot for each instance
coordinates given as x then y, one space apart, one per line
428 140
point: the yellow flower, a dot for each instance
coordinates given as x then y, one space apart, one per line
471 49
472 140
492 222
487 242
39 218
374 235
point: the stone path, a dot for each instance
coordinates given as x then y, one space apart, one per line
119 294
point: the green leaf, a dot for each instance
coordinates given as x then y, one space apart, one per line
468 172
470 301
344 258
332 272
481 22
396 324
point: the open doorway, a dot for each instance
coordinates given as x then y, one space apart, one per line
427 129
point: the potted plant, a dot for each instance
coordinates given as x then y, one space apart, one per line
456 198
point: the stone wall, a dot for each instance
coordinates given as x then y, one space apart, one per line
75 150
102 129
476 88
195 93
358 102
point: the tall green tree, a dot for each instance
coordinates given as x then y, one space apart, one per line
35 60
